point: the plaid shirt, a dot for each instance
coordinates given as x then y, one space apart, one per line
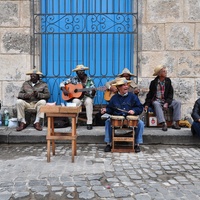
160 92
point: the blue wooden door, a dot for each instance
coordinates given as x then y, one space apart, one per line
96 33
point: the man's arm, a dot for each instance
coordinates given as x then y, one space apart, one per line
196 111
45 94
26 92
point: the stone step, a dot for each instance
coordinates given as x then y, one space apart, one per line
96 136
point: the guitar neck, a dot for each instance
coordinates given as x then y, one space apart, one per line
85 89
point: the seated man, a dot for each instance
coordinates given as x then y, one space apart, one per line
123 103
195 128
111 89
33 94
86 97
160 96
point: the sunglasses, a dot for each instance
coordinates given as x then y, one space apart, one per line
80 72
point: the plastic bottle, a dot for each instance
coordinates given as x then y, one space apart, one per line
6 117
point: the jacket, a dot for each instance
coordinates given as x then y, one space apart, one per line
119 105
41 87
196 110
168 94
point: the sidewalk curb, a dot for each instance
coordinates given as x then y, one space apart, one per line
96 136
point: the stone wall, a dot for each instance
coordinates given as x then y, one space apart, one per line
169 34
15 48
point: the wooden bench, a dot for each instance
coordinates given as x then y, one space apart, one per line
82 119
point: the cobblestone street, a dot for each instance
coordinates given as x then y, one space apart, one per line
158 172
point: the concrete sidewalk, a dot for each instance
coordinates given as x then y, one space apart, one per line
96 135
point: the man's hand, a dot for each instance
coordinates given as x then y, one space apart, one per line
65 92
136 91
165 106
113 89
131 112
27 96
146 108
35 94
103 110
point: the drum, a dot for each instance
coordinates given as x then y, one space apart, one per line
117 121
132 120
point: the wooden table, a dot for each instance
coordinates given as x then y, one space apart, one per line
59 111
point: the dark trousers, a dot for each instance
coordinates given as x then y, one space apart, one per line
195 128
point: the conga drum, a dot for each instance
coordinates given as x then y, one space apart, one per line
132 120
117 121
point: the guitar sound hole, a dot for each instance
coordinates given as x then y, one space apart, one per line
76 90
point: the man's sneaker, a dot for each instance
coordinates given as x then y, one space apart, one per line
164 127
107 148
175 126
137 148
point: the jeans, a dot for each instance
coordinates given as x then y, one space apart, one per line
138 132
175 105
195 128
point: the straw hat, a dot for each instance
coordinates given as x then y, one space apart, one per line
121 81
126 71
157 69
79 68
34 71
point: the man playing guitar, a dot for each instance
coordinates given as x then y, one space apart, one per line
86 96
111 89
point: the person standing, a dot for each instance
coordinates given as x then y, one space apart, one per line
86 96
160 96
33 94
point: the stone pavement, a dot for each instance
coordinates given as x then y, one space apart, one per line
158 172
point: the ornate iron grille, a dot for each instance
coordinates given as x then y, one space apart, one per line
101 34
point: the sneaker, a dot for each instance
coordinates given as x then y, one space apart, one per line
137 148
175 126
164 127
107 148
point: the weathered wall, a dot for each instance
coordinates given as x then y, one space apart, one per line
169 34
15 48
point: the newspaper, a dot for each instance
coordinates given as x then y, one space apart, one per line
105 116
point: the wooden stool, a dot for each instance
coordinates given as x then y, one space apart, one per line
52 135
126 134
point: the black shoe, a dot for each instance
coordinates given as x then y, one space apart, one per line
89 127
137 148
175 126
107 148
164 127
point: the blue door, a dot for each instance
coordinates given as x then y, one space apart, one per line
96 33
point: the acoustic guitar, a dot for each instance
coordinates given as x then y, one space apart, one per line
108 94
76 91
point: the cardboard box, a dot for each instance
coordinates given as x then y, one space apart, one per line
67 109
50 109
153 121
